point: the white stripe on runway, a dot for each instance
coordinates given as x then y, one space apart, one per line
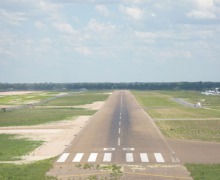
78 157
159 157
119 142
119 131
129 157
63 157
107 157
92 157
144 157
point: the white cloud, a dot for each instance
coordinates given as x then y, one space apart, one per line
197 14
152 35
64 28
83 50
96 26
39 25
102 10
14 18
132 12
203 9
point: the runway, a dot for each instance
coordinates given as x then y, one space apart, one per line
121 132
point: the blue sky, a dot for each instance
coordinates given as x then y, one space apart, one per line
109 40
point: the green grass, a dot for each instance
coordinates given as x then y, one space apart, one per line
159 104
34 116
204 171
192 129
26 98
11 148
36 171
78 99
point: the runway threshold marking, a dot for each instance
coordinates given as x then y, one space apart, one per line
159 157
144 157
63 157
92 157
78 157
107 157
129 157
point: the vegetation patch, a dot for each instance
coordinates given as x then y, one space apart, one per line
204 130
26 98
78 99
204 171
36 171
13 148
36 116
159 104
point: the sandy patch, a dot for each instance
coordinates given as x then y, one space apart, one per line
17 92
94 106
56 136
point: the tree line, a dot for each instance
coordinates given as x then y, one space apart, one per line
197 86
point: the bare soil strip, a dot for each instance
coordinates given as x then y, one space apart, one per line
56 137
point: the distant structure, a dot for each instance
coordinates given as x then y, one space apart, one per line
198 105
212 92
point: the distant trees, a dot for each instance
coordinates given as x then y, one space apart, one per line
197 86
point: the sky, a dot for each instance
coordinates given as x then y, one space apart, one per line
67 41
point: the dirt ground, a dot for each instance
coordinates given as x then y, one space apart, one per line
16 92
56 135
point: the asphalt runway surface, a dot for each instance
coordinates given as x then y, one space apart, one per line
122 133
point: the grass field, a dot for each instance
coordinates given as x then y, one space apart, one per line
204 171
180 122
159 104
36 171
193 130
40 115
13 148
34 116
78 99
26 98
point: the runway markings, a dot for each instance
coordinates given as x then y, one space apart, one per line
119 142
144 157
78 157
63 157
92 157
109 149
159 157
119 130
107 157
130 157
128 149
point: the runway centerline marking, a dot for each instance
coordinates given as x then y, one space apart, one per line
119 130
119 141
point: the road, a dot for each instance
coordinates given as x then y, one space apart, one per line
121 132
